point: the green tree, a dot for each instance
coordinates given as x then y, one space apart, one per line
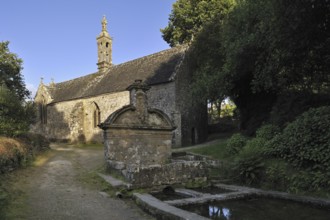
298 43
15 115
264 50
10 72
189 16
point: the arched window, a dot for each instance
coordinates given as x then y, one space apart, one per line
96 115
43 111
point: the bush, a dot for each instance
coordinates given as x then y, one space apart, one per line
253 148
305 142
235 144
36 142
15 115
277 174
309 181
249 166
12 154
249 170
267 132
293 103
16 152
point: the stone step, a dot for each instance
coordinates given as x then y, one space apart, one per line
116 183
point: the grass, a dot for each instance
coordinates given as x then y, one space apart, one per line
215 151
280 179
3 198
12 198
94 181
89 145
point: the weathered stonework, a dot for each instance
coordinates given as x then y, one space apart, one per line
166 174
138 140
136 134
74 120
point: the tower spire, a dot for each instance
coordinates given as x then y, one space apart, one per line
104 24
104 47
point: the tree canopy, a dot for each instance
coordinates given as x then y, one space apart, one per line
10 72
262 54
188 17
15 113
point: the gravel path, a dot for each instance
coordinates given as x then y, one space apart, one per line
53 190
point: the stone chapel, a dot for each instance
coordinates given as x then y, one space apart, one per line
71 110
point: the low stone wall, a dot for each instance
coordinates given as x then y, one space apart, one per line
138 141
167 174
137 146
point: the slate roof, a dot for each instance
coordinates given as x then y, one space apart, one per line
154 69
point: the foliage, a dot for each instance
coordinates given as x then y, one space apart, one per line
188 17
305 143
228 109
17 152
293 103
251 54
267 132
275 42
10 72
277 175
249 165
309 181
235 144
15 115
299 47
36 142
272 59
257 163
220 109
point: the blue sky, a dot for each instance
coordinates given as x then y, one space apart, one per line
57 38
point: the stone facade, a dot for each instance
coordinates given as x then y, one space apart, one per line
137 143
72 110
75 120
137 134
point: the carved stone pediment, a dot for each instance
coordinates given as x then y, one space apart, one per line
138 116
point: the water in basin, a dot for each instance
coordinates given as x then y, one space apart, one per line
211 190
259 209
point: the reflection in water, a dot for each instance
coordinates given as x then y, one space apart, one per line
259 209
216 212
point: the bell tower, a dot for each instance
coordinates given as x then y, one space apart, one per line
104 48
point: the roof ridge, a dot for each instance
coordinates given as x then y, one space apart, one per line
160 67
79 77
176 48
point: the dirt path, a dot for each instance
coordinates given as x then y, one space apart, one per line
55 189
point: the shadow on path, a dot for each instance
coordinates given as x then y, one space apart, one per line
52 190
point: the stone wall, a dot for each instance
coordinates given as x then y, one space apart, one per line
167 174
66 122
194 124
163 97
138 139
74 120
141 147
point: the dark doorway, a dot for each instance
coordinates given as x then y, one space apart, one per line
193 136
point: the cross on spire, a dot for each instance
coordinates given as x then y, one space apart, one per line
104 23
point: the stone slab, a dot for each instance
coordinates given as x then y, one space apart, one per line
163 210
116 183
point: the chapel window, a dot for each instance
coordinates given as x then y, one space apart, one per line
43 111
96 115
